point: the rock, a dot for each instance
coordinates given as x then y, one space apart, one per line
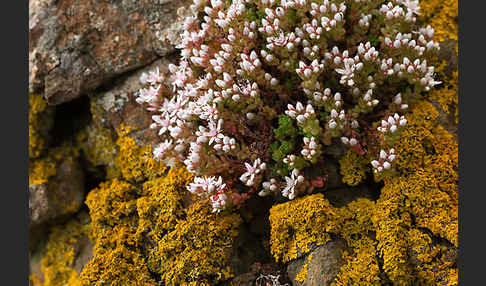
83 250
448 121
35 263
334 178
77 241
61 195
260 274
324 266
342 196
247 250
448 53
76 45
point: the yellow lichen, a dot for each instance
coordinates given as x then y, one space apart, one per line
361 266
135 162
442 16
37 143
434 262
145 228
302 275
197 248
353 168
392 222
41 170
115 262
57 264
111 201
428 158
118 266
423 194
298 225
311 221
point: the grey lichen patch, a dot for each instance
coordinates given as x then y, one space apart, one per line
113 102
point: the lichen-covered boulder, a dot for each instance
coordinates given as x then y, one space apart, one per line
56 186
74 46
320 267
60 260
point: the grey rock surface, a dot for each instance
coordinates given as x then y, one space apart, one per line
75 46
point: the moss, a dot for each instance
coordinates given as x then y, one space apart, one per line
57 264
353 168
37 143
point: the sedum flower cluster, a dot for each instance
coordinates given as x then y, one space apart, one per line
263 86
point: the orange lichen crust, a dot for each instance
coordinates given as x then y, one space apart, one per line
37 143
57 264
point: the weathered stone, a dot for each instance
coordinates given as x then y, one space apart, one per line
448 121
342 196
62 195
82 251
334 179
74 46
448 53
247 249
324 266
260 275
